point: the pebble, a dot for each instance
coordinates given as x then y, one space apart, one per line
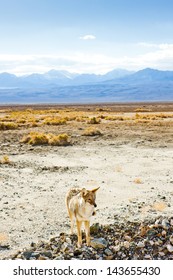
108 252
140 245
171 239
165 224
99 243
126 244
169 248
127 238
118 241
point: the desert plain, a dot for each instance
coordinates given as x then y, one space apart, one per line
126 149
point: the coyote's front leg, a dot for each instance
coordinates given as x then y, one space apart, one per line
79 233
87 231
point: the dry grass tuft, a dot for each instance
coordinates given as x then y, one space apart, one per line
8 126
55 121
91 131
117 118
58 140
5 160
39 138
94 120
138 181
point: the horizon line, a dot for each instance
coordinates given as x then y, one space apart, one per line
83 73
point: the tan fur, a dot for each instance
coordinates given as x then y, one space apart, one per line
80 205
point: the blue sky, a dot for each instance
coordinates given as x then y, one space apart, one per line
85 36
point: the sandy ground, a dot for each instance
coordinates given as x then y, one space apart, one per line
134 172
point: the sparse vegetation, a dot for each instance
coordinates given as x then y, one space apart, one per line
91 131
138 181
39 138
54 121
35 118
94 120
5 160
118 118
8 126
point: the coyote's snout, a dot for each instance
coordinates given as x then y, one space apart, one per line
81 206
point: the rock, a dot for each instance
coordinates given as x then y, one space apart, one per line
147 257
119 241
27 254
77 252
109 257
99 243
67 248
47 254
140 244
127 238
163 232
68 240
171 239
35 255
169 248
94 229
126 244
116 248
42 258
108 252
165 224
151 232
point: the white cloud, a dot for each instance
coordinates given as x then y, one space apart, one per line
88 37
87 62
147 45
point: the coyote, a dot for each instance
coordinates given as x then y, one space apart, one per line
80 205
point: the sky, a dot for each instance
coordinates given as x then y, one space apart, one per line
85 36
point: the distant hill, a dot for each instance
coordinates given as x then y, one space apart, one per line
61 86
57 77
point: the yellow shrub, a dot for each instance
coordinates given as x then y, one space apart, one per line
116 118
138 181
5 160
54 121
91 131
7 126
94 120
39 138
35 138
58 140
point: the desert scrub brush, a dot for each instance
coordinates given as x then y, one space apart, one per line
5 160
39 138
91 131
8 126
94 120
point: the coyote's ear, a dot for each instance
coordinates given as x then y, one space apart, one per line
83 192
94 190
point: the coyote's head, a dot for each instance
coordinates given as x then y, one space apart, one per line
89 196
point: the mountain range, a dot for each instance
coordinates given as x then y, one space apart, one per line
57 77
119 85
